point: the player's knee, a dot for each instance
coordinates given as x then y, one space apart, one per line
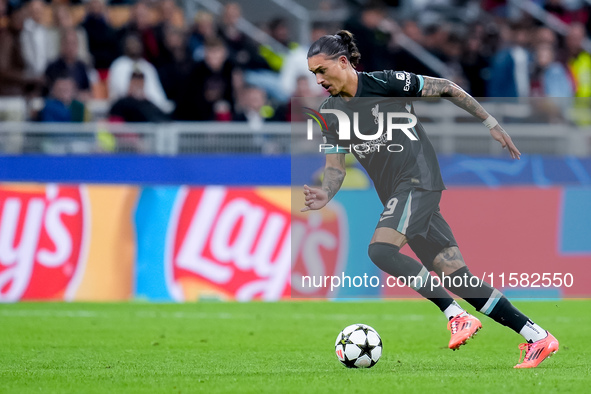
381 253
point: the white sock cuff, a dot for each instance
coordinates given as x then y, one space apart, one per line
532 332
452 310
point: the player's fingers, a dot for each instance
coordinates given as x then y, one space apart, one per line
513 149
305 209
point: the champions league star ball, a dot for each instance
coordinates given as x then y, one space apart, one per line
358 346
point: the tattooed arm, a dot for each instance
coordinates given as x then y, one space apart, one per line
439 87
334 174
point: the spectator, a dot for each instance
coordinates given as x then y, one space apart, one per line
578 60
552 84
550 78
452 57
135 107
3 14
303 96
175 72
436 36
63 20
268 78
210 82
406 60
122 68
368 35
253 107
70 63
255 110
412 30
545 35
14 80
475 65
140 23
296 65
102 40
167 11
510 68
61 105
204 28
242 51
279 31
34 39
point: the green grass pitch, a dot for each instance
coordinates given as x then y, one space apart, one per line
274 348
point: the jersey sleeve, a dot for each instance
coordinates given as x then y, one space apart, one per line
403 83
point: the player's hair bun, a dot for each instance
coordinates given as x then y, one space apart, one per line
342 43
347 38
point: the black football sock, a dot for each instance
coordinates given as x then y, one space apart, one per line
388 258
485 299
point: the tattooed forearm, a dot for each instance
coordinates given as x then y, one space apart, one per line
448 261
439 87
333 179
436 87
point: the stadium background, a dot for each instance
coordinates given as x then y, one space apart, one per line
143 179
118 197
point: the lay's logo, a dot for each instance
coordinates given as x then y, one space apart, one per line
246 243
42 241
233 243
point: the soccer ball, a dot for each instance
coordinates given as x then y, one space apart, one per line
358 346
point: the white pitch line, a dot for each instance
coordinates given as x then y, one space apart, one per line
204 315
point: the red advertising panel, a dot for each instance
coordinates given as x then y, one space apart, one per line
229 243
320 242
236 243
42 241
510 238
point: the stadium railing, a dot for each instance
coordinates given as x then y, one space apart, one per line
181 138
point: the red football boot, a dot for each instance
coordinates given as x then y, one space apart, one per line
537 352
462 328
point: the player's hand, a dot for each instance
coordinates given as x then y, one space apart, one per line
315 198
504 139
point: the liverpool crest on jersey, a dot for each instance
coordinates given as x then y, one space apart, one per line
375 111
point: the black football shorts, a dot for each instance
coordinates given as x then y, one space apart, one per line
415 213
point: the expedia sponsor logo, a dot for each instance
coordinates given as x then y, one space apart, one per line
407 82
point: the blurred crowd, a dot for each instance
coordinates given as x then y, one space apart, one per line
153 65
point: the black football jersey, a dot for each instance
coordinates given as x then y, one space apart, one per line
404 160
